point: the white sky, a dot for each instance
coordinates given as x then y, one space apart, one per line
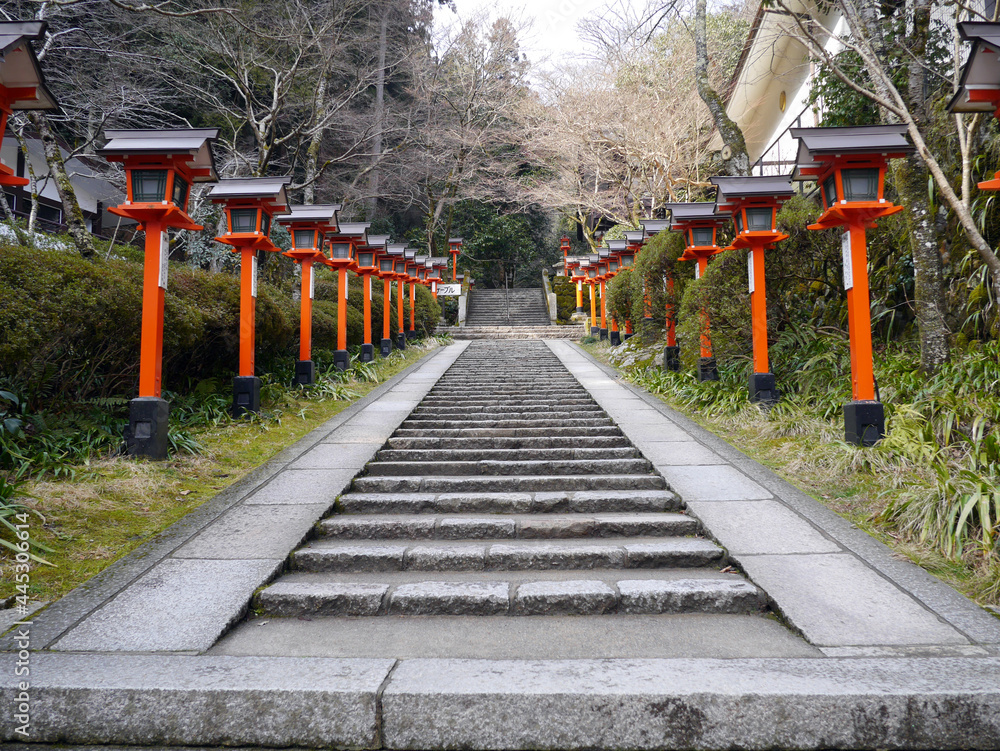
553 31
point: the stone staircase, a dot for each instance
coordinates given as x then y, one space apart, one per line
508 492
510 314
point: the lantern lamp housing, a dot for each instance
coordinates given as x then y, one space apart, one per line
250 203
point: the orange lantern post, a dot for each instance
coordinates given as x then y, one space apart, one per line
626 259
616 247
308 226
250 204
753 203
160 166
699 222
565 247
579 273
410 254
22 85
592 271
397 251
454 247
367 260
671 352
385 273
849 166
342 247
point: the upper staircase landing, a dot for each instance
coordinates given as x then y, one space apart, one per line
510 314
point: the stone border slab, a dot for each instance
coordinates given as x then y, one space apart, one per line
178 700
704 704
936 607
70 611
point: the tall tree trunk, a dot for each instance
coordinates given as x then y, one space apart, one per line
911 177
373 178
738 162
75 222
312 152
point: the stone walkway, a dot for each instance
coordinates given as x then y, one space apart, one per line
546 573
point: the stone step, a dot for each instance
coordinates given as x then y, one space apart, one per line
533 432
516 408
636 595
518 555
551 417
499 443
493 527
505 483
507 403
505 455
491 468
546 423
523 502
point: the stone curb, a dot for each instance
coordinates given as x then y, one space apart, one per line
75 606
975 623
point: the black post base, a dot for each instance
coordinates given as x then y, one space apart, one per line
707 369
579 310
146 435
616 338
864 423
367 352
411 333
672 358
595 330
626 336
385 347
246 395
305 372
604 334
762 388
401 340
341 360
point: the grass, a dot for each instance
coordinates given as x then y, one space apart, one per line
100 511
907 491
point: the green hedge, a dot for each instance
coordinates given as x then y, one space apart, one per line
69 327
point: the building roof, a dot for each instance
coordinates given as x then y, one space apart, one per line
19 66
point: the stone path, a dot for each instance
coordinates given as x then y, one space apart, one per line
529 552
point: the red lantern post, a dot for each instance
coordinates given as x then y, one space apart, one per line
616 248
565 247
849 165
250 205
308 226
410 254
753 203
367 259
385 273
343 247
160 166
592 267
454 247
699 223
671 352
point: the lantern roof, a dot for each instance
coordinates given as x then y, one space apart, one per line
420 259
268 189
314 213
616 246
651 227
594 257
634 236
684 214
979 85
196 142
409 253
19 67
731 189
378 241
354 230
442 261
454 240
819 145
395 249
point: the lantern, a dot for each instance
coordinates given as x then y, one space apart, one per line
671 352
341 249
753 202
367 264
454 247
22 85
979 84
699 224
308 226
849 164
178 156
